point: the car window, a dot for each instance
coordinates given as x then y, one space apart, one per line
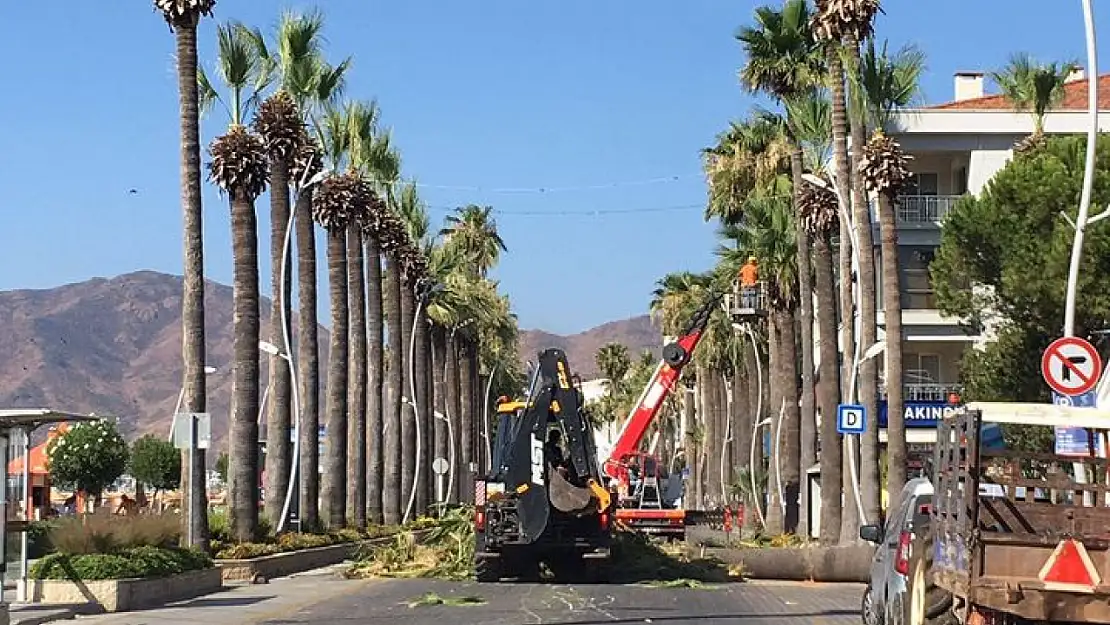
894 522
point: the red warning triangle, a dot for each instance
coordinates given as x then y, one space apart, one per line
1070 567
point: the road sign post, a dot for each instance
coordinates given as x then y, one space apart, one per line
851 419
440 468
1071 366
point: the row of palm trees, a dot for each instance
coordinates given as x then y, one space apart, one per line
417 328
775 197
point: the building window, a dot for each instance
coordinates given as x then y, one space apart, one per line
960 183
917 289
921 369
925 183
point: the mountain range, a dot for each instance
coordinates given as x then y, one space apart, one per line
112 346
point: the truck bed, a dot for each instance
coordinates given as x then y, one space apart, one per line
997 549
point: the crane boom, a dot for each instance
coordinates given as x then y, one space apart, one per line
662 382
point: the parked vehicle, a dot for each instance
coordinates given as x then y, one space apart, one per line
886 587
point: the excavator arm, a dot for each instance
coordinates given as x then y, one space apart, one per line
675 357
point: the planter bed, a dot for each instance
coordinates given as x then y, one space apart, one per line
121 595
287 563
847 563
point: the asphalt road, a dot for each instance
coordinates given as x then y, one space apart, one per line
750 603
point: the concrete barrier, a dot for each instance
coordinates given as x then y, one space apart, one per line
121 595
846 563
276 565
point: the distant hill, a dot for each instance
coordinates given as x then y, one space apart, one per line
637 334
113 346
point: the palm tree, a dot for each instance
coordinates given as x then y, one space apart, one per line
240 167
768 231
393 236
182 16
362 122
474 230
784 61
888 82
614 362
843 25
337 202
1034 87
819 216
308 82
377 160
414 214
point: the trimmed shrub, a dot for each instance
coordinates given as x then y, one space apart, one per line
135 562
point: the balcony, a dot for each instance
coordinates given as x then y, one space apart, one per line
924 210
931 392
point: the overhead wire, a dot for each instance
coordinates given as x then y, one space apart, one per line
540 189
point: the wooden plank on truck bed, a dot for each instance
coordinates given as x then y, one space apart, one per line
1048 415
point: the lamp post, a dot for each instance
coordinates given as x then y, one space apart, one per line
273 350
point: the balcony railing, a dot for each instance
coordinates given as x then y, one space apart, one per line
926 391
924 209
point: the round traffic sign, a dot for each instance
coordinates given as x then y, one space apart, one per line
1071 366
439 466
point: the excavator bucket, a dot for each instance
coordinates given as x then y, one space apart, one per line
565 496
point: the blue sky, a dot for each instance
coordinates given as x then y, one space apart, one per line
497 99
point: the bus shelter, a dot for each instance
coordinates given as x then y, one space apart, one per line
17 425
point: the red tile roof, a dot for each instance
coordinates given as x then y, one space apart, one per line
1075 99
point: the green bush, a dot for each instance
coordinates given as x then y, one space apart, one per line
38 538
292 541
135 562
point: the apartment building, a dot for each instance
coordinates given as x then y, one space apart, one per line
957 147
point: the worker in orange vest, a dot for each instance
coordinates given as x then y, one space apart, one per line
749 278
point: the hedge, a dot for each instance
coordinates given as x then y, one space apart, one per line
135 562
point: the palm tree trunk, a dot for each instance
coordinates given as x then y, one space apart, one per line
278 421
849 519
808 427
194 391
690 446
356 372
408 415
892 305
335 429
868 372
477 452
391 445
466 419
774 513
243 459
423 405
828 394
454 412
308 361
439 383
375 380
706 397
428 426
789 438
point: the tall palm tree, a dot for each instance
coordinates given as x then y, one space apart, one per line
393 237
414 214
182 16
843 25
362 122
768 231
337 201
240 167
303 77
380 163
784 61
614 362
888 82
279 123
474 230
1034 87
819 216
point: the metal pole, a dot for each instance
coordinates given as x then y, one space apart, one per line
485 420
5 438
415 407
22 594
192 478
176 408
1089 168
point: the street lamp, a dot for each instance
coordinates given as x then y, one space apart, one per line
294 464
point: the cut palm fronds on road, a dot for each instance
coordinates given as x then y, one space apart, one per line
638 558
445 551
678 583
432 598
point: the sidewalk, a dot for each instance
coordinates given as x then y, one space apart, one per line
238 605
